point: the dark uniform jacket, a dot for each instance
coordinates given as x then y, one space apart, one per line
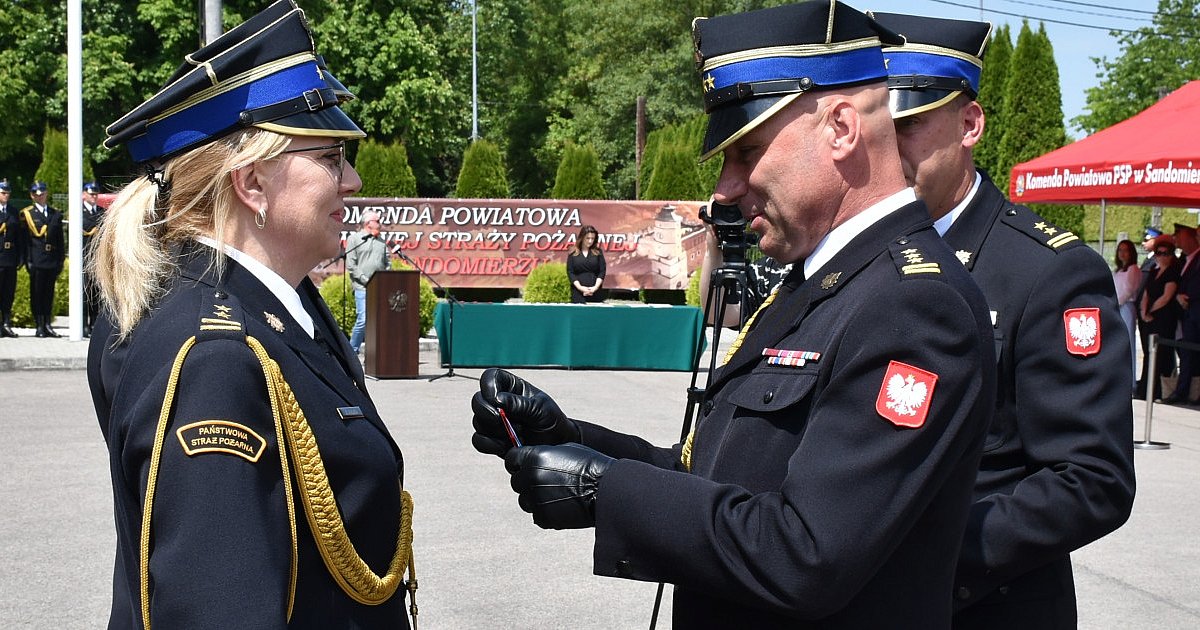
90 226
221 549
12 238
1057 469
45 233
806 506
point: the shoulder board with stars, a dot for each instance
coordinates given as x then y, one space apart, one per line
220 317
1027 222
911 261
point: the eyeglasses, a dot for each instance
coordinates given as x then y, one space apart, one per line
335 162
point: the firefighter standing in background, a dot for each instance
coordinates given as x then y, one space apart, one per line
46 253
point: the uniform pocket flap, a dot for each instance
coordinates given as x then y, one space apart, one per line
773 390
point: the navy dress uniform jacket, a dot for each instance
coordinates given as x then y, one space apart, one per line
1057 467
805 506
220 545
45 238
12 235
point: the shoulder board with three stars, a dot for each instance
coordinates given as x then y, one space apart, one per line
910 260
1028 222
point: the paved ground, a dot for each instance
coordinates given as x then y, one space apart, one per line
481 561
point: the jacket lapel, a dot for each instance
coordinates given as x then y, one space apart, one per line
970 230
788 310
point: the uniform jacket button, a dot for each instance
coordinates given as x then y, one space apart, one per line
1003 590
623 568
963 593
708 407
768 396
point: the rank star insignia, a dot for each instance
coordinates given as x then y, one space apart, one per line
1083 331
709 83
963 256
273 321
828 281
905 395
222 311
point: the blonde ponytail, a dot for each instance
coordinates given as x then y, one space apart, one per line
134 263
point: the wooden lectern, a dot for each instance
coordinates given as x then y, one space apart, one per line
393 324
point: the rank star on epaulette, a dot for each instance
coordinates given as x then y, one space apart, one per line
222 311
273 321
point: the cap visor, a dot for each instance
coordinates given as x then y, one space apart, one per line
906 102
330 122
728 124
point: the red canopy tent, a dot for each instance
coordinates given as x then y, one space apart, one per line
1151 159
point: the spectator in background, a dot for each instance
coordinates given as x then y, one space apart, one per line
12 256
366 253
1128 278
1148 266
1160 313
1189 317
585 267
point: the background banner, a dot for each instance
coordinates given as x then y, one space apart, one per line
497 242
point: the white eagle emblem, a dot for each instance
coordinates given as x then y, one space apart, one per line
1082 330
905 394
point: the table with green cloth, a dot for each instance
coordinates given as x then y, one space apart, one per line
603 336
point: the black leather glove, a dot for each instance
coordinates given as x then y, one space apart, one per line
535 416
557 484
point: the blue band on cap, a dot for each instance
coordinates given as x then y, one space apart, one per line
864 64
902 63
218 114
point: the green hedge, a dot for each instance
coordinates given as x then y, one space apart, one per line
22 316
548 283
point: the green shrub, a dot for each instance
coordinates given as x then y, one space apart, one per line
483 175
384 170
548 283
22 315
332 290
676 174
578 174
691 294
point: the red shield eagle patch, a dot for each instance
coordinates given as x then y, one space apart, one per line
1083 330
905 395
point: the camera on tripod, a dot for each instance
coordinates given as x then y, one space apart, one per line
730 227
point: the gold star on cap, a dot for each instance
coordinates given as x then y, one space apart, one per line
273 321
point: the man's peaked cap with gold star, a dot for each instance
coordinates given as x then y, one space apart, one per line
941 59
263 73
753 64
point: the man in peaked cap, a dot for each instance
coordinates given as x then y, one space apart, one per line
827 481
92 215
12 256
45 257
1057 468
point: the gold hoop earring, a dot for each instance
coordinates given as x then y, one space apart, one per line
260 218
